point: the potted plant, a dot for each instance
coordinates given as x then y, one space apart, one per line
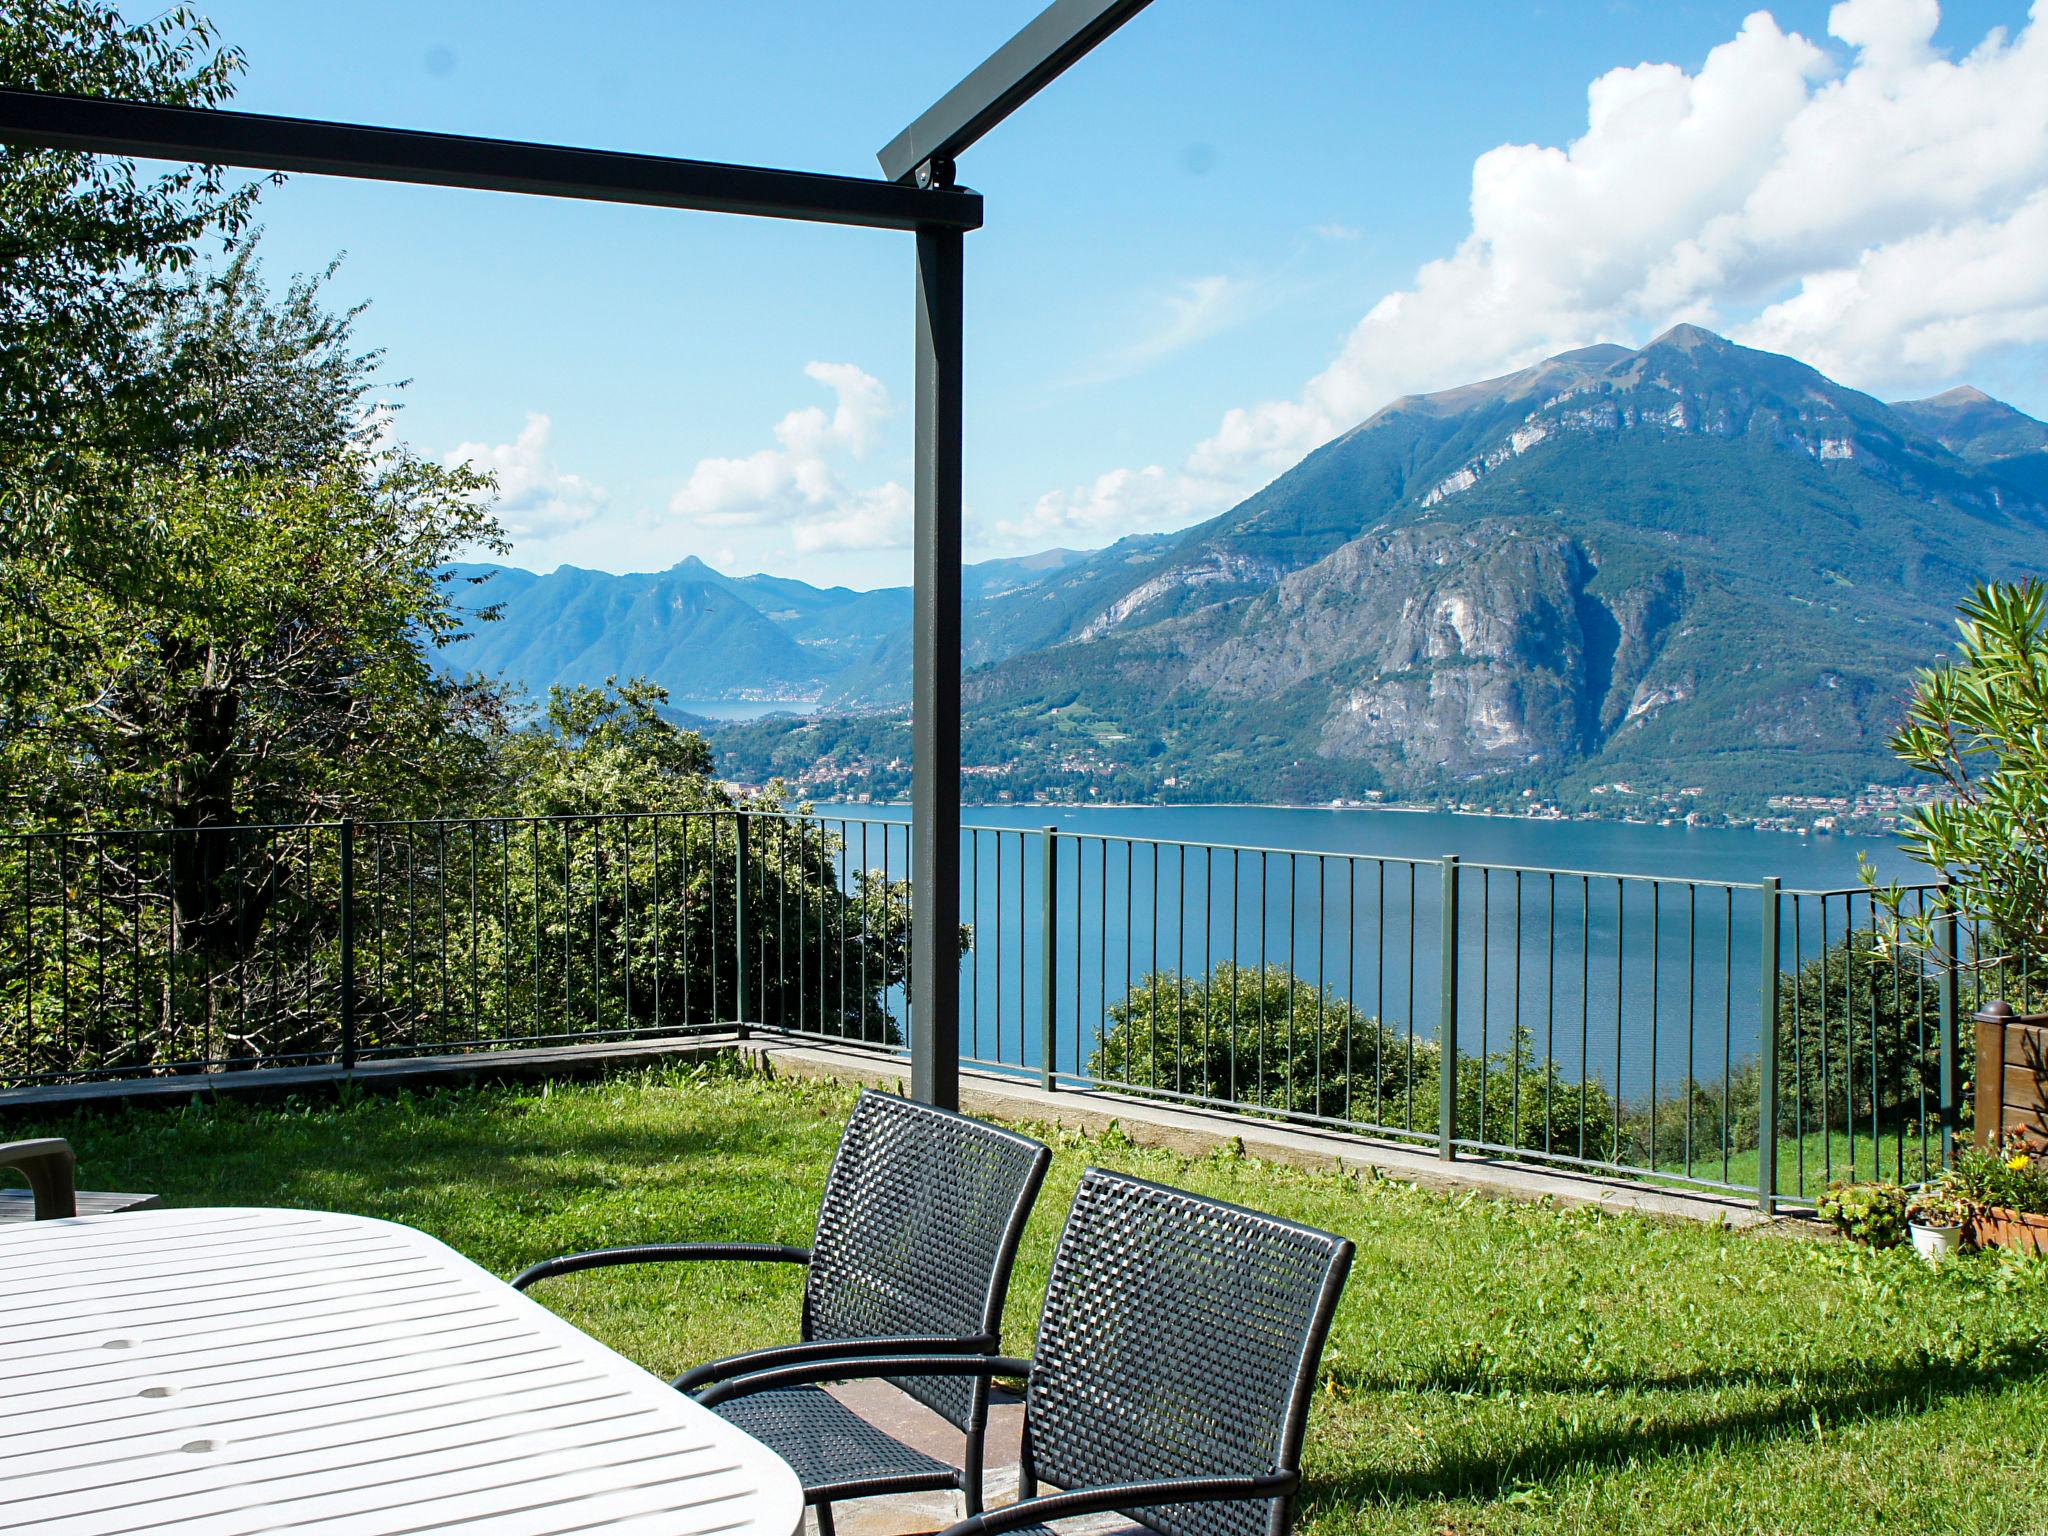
2007 1190
1873 1213
1936 1216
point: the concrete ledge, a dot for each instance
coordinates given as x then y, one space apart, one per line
379 1076
1196 1132
1190 1130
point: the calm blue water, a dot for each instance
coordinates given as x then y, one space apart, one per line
1635 981
740 709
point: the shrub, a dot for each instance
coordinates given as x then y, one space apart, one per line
1264 1038
1872 1213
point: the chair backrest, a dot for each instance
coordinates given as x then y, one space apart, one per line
1180 1339
917 1233
49 1167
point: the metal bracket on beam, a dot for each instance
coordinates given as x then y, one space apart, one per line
253 141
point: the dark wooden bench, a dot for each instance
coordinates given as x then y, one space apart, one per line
52 1191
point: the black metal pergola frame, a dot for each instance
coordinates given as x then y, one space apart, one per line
918 195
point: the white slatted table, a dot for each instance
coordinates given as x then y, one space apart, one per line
229 1372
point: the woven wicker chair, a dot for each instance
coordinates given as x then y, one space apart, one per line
1174 1365
916 1237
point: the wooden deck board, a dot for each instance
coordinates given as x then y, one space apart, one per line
20 1205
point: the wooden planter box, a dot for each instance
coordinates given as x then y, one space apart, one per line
2012 1077
2021 1231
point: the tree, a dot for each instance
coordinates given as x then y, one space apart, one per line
255 650
1979 725
616 889
264 653
90 253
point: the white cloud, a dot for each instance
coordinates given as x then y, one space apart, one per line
797 483
1120 502
536 498
1186 313
1879 209
876 519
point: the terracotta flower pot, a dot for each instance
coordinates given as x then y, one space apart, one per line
2021 1231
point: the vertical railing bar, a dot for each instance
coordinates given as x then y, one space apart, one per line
1350 980
1447 1015
1849 1031
1515 1083
1692 1004
475 976
1236 964
1289 1066
654 830
1408 1120
1620 955
1379 1037
1798 1042
1049 964
1876 1086
1656 1002
597 988
1180 964
1023 955
1152 968
1485 991
1727 1027
346 958
1767 1053
1208 960
1260 1096
1826 1128
1585 1003
1950 1002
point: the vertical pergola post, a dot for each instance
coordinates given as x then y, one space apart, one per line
923 156
935 708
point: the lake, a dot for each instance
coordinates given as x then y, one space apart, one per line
1632 981
741 709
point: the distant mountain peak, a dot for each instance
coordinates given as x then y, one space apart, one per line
1688 337
1600 354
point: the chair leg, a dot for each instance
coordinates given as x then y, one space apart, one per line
973 1477
824 1514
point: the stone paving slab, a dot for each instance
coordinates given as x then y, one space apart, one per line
916 1425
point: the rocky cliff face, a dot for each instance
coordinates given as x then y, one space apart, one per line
1676 561
1690 563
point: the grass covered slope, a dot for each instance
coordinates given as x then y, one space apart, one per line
1494 1367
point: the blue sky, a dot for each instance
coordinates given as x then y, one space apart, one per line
1192 239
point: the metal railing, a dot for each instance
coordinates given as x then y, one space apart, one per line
1721 1034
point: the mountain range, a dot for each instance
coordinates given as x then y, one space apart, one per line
1689 564
703 635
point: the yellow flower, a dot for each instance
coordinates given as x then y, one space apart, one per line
2018 1162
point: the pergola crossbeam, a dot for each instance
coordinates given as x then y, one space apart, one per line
1052 42
255 141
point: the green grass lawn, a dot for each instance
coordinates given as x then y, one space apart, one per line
1494 1367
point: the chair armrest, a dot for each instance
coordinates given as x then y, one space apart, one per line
51 1170
1101 1501
662 1253
862 1368
776 1356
